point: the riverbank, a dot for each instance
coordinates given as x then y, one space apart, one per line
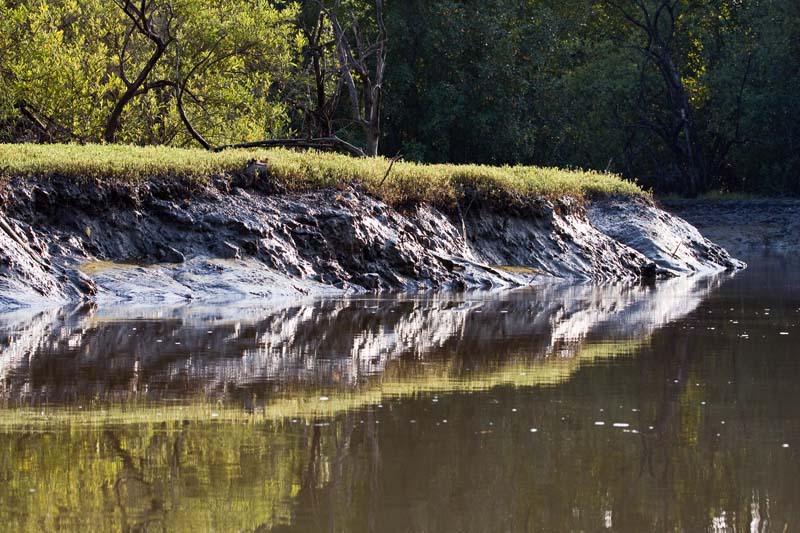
165 225
744 226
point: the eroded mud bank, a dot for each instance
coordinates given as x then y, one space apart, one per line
748 227
161 241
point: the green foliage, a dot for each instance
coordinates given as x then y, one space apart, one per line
565 83
407 183
232 57
61 70
459 83
553 83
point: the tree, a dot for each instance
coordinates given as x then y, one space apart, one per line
154 21
54 58
318 96
144 71
464 78
656 23
682 95
221 66
362 62
358 48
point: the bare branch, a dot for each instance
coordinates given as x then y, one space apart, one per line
325 143
396 158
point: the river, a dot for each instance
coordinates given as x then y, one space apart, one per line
671 406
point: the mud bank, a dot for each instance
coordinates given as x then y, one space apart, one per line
165 241
745 227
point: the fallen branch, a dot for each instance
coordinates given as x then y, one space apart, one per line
319 143
48 126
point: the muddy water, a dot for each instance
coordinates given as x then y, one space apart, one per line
671 407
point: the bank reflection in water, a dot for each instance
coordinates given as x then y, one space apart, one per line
59 356
441 413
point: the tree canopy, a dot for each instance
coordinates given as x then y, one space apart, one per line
683 95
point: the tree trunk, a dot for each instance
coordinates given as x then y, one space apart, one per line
694 168
372 140
113 122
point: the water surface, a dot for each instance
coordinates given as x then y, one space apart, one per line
666 407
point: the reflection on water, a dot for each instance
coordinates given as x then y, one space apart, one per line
67 355
670 407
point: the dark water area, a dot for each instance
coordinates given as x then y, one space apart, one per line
666 407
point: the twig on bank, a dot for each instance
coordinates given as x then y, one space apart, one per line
391 164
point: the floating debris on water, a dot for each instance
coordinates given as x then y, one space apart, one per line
621 425
534 430
323 398
599 423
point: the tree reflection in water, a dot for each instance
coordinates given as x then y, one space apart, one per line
428 417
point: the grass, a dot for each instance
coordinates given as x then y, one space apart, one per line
408 183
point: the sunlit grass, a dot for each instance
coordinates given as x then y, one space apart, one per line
399 381
302 171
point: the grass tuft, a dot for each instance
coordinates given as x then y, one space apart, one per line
408 183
